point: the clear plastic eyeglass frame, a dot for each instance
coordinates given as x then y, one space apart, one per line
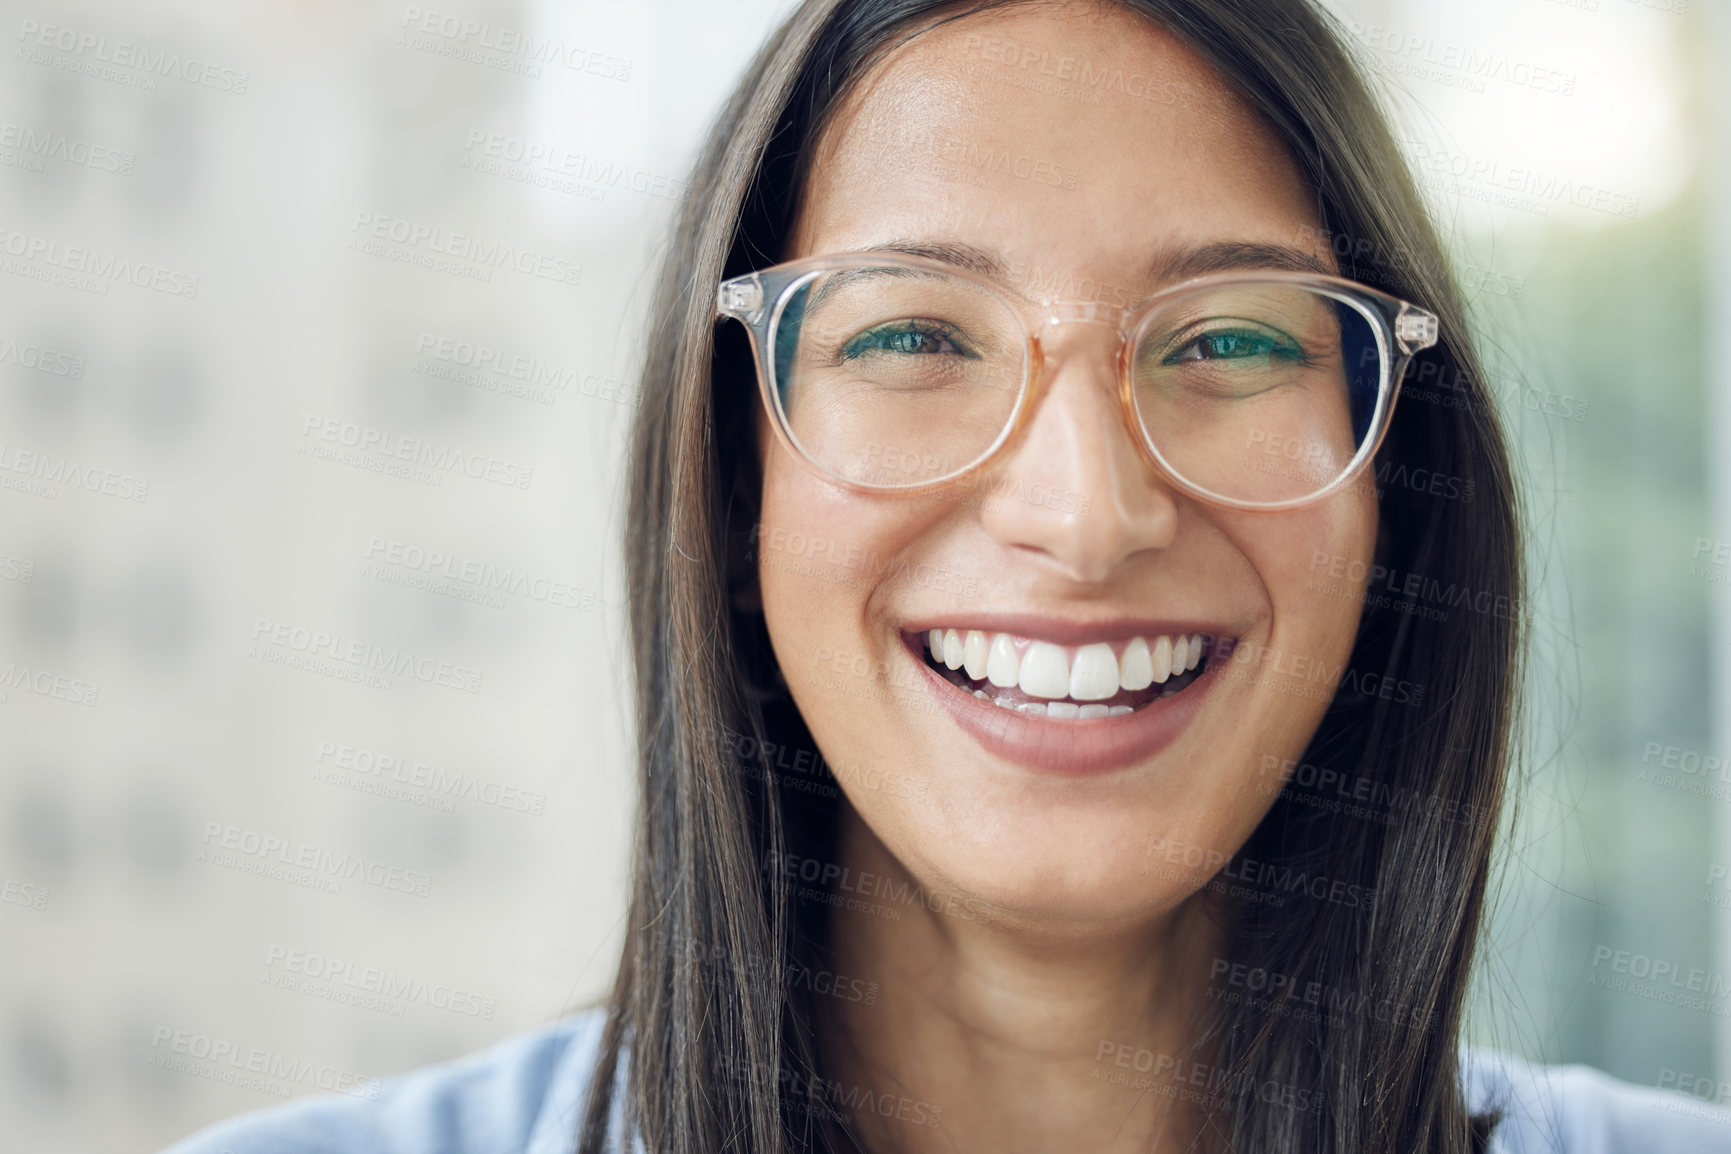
1401 330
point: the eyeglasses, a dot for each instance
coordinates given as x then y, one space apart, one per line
1253 390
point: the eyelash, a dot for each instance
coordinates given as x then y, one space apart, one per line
1291 352
917 326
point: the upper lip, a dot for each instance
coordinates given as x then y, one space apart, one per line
1069 630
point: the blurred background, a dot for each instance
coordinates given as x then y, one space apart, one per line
319 324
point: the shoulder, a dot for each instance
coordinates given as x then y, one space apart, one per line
523 1094
1580 1110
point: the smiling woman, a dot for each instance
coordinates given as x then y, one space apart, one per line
1007 452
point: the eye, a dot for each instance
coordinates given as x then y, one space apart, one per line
1237 344
916 336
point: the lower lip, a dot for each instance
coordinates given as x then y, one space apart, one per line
1069 747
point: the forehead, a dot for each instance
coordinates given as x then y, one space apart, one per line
1074 138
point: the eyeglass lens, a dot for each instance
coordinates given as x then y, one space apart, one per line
890 376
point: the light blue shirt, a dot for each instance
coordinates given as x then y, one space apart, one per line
525 1095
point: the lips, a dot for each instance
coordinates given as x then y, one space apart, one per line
1092 706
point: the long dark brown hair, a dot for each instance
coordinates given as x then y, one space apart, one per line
718 1033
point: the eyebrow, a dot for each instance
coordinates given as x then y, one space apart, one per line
1231 256
960 254
1169 266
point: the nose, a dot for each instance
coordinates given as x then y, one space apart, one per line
1075 488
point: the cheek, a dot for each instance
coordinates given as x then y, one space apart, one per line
811 593
823 553
1314 563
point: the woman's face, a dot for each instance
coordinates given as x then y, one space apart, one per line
978 134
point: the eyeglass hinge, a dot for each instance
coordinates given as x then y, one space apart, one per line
741 298
1415 329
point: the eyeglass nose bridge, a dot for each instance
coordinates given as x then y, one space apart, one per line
1061 312
1055 313
1068 312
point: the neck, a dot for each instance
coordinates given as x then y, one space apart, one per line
1013 1035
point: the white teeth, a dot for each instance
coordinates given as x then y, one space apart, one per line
1032 708
1065 709
1045 671
974 654
1136 667
1091 674
1161 656
1094 673
952 650
1003 667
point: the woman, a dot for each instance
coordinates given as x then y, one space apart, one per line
991 578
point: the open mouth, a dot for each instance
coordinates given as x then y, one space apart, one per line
1101 680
